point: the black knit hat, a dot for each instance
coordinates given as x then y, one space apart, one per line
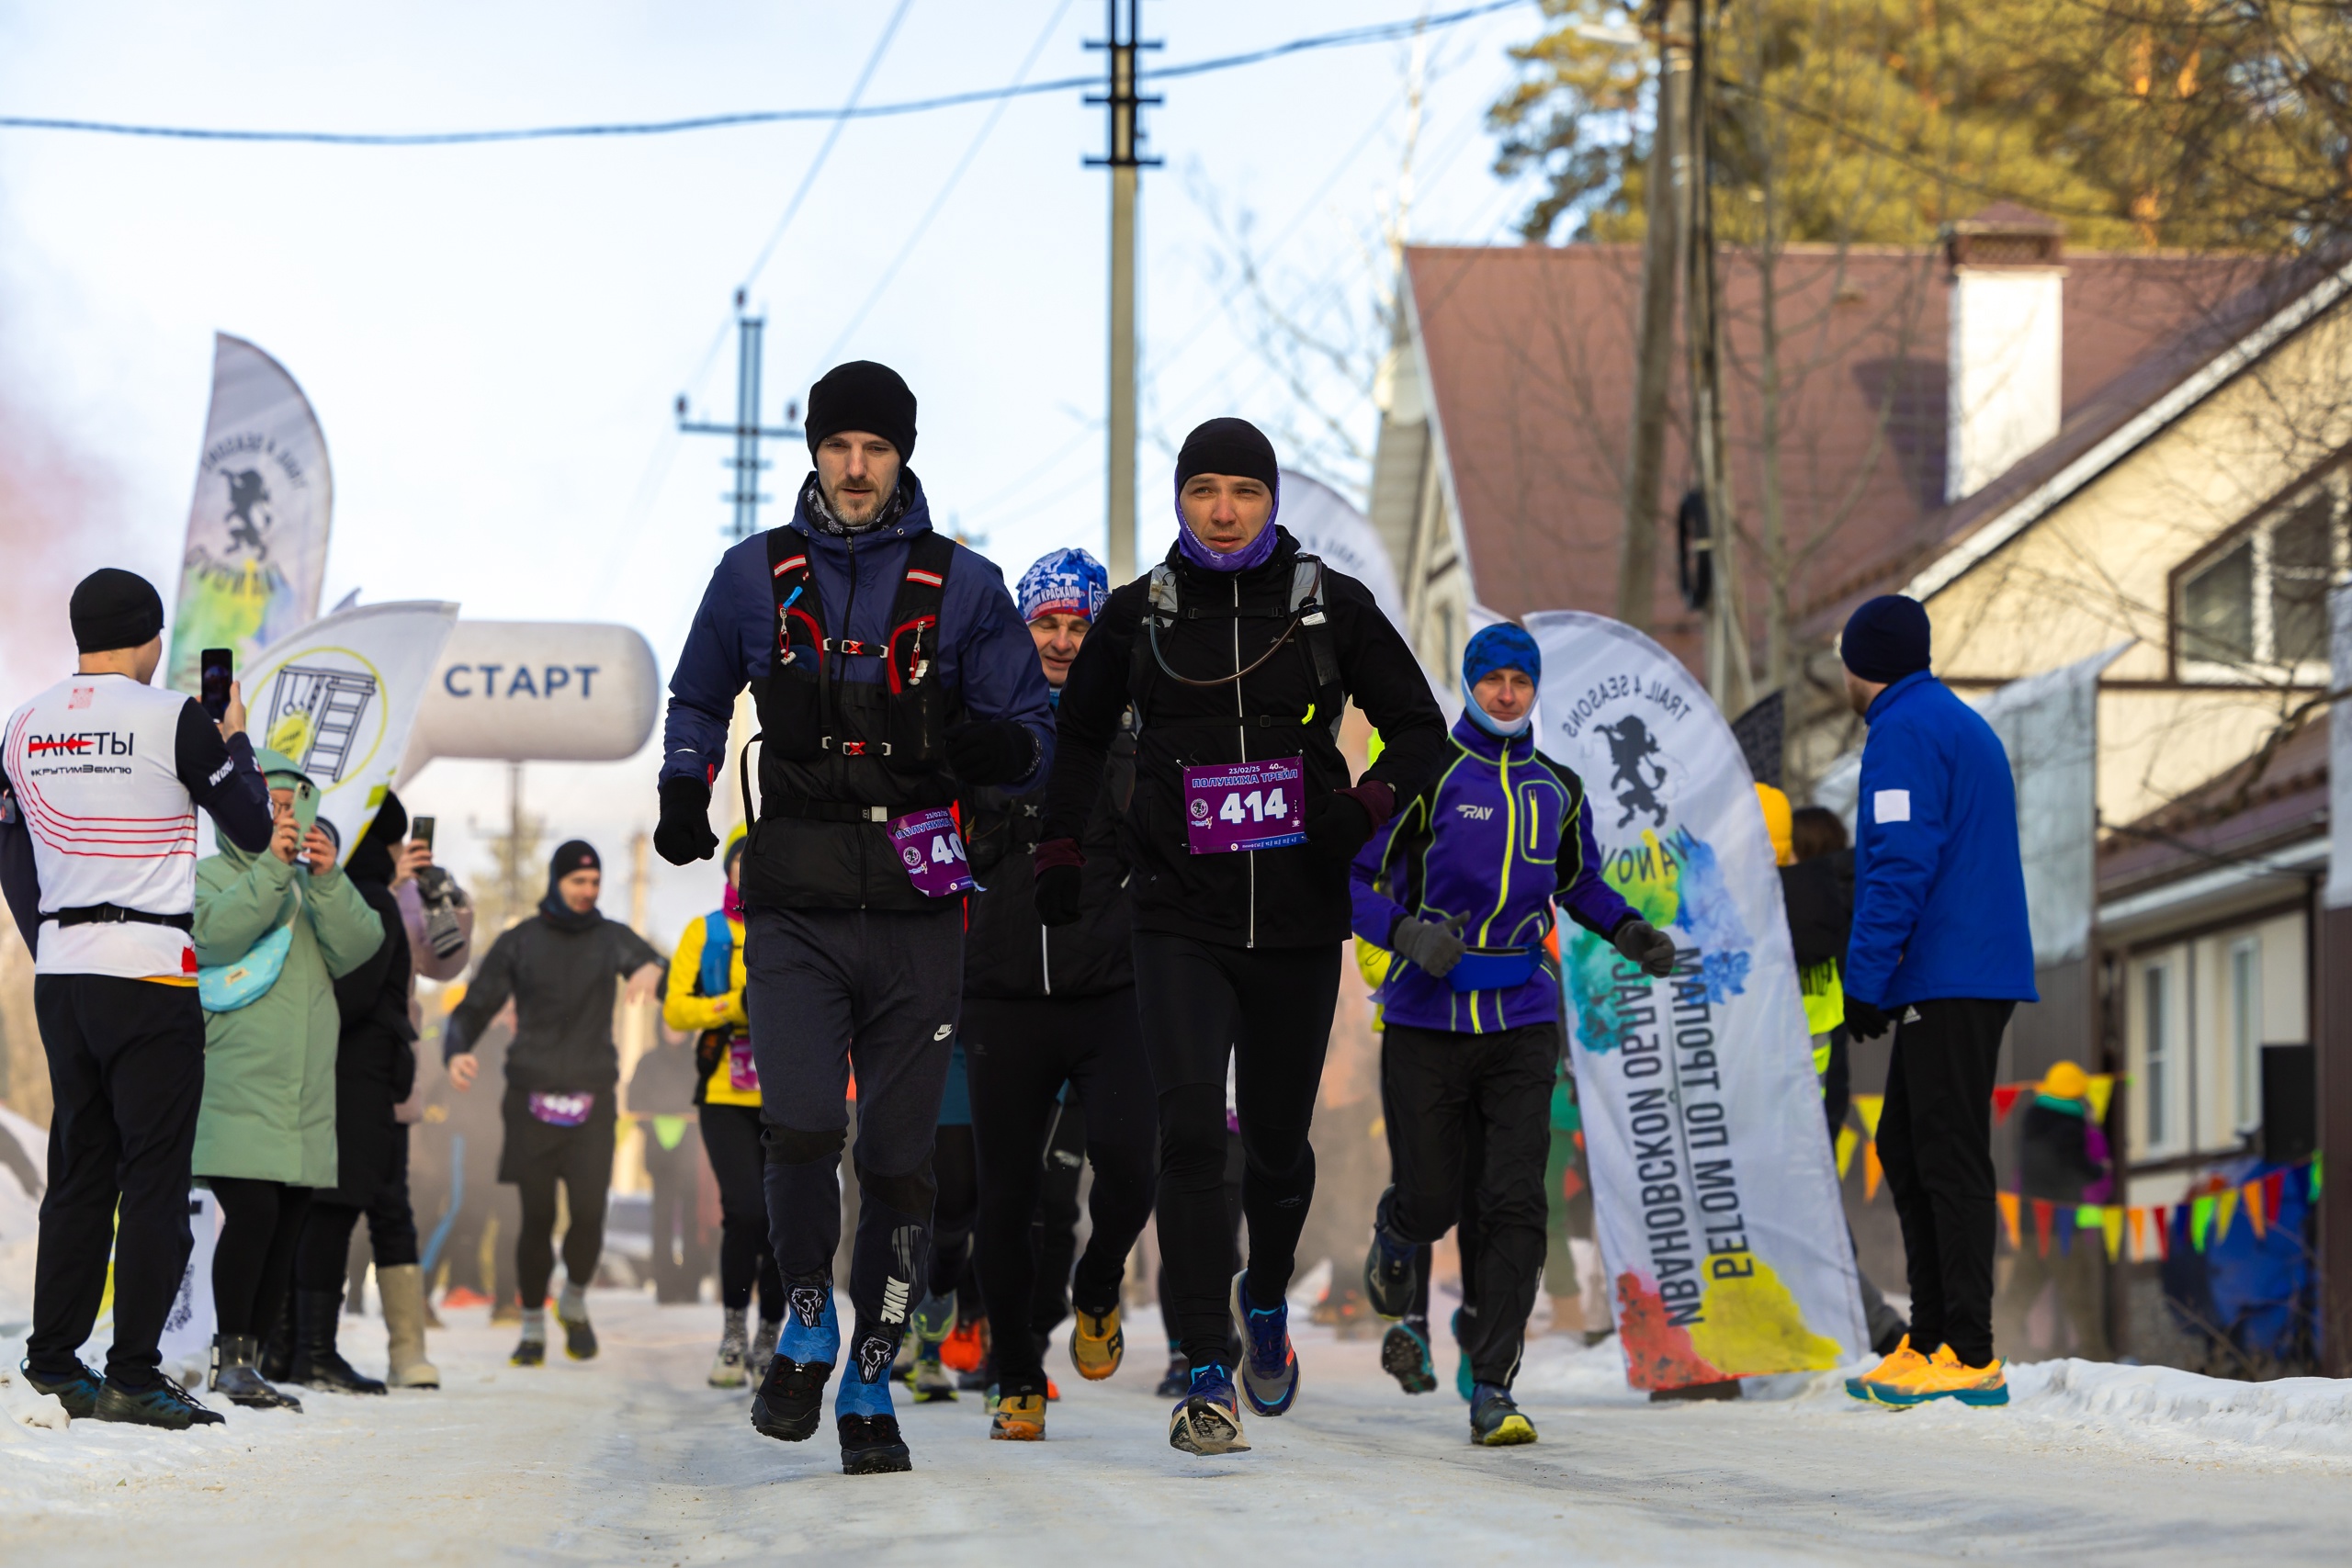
112 608
862 395
1886 639
1229 446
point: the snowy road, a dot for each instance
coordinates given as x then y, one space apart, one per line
630 1459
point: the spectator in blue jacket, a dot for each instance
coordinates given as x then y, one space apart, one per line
892 674
1941 952
1459 886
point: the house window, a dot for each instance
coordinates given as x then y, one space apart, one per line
2157 1054
2258 608
2245 1029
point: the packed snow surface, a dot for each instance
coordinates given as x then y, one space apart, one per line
630 1459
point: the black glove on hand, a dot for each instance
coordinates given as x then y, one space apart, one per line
1864 1021
1644 945
992 752
1337 824
683 833
1435 949
1060 881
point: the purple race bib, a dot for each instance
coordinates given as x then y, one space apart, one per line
743 1072
933 853
562 1110
1245 805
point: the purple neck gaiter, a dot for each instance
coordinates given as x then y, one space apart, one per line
1255 553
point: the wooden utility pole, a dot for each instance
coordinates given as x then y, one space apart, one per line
1661 278
1124 162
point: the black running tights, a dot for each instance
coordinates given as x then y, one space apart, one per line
731 1139
253 1262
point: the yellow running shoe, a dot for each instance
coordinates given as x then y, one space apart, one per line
1903 1361
1097 1344
1019 1418
1945 1376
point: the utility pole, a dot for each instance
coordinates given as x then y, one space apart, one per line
1123 161
1661 254
747 430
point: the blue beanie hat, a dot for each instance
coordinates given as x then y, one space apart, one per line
1063 582
1499 647
1886 639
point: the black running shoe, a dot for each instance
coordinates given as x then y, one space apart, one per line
792 1397
77 1391
579 1338
1496 1421
871 1445
529 1353
167 1405
1390 1275
1405 1356
1179 1381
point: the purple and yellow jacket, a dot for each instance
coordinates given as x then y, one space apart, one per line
1502 832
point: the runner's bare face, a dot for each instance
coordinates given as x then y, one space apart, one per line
579 889
1058 634
1506 695
857 472
1225 511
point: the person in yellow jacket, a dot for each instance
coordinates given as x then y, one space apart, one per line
705 997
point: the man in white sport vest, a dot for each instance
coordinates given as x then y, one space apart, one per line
98 858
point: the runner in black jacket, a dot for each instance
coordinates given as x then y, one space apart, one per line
1046 1007
1239 882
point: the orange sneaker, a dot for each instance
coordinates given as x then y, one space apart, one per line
1018 1418
966 1350
1097 1344
459 1298
1904 1360
1944 1376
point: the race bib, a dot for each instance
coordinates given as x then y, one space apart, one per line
562 1110
743 1072
933 853
1245 805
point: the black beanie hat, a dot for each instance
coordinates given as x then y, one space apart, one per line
371 858
573 855
1886 639
112 608
1229 446
862 395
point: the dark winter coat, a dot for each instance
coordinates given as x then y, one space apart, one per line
1291 896
1819 896
561 982
1007 951
374 1063
2054 1157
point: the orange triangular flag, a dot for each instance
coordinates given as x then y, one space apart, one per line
2225 1205
2008 1202
2102 1089
2139 1217
2251 1192
2042 1211
2111 1224
1872 1172
1847 1141
2005 1098
1868 1107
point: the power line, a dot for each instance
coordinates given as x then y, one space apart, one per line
1379 32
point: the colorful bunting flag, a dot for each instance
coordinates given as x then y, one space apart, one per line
2251 1192
2225 1206
2200 1221
2008 1202
2111 1224
1872 1172
2273 1192
2064 1229
2139 1217
1847 1139
1868 1106
2042 1210
2164 1218
2102 1091
2311 1186
2005 1098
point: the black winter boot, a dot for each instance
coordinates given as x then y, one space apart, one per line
317 1362
234 1378
275 1361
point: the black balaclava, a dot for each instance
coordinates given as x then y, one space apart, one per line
112 608
371 859
573 855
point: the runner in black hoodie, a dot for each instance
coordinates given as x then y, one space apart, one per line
562 1071
1235 650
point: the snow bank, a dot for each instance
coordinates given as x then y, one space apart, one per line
20 1217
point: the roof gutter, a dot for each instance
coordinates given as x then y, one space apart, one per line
1963 557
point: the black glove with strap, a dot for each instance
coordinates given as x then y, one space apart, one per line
1433 948
1060 881
992 752
1340 823
683 833
1864 1021
1644 945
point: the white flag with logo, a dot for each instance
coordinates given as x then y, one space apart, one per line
340 697
1714 1192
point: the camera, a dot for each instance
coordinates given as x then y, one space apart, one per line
443 898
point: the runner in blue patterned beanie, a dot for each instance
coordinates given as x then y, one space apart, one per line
1499 647
1063 582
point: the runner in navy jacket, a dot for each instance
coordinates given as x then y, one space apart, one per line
1459 885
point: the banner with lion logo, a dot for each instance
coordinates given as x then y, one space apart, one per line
258 527
1714 1193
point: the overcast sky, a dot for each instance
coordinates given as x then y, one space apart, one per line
494 336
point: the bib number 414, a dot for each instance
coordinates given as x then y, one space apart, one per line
1258 805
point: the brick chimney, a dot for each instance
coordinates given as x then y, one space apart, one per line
2008 341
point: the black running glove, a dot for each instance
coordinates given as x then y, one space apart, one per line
1644 945
1339 824
992 752
1434 948
1864 1021
683 833
1060 881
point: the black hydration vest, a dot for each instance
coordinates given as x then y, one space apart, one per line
838 759
1309 626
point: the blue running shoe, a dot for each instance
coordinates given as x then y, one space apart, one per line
1207 1420
1269 1366
1390 1275
77 1391
1405 1356
1464 1383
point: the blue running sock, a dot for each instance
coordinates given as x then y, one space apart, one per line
812 1327
861 1397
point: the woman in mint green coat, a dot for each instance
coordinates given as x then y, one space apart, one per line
264 1137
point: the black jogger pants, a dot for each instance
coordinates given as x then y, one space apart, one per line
1935 1138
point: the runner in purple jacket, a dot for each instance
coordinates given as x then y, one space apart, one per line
1460 885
